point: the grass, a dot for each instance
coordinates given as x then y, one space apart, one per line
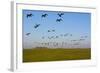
45 54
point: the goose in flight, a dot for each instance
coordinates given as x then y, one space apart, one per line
37 25
44 15
29 15
51 30
60 14
58 20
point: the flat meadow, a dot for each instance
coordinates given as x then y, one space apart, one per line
40 54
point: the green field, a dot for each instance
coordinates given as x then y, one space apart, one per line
45 54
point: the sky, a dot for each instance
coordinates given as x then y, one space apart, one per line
76 25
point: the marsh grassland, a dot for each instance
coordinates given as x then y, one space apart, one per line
58 54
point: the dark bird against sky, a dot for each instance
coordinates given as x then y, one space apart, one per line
44 15
28 34
58 20
51 30
29 15
60 14
37 25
